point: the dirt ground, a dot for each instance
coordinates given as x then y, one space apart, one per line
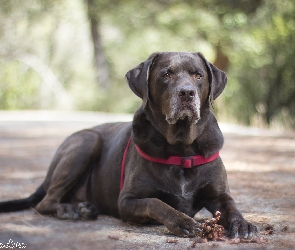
260 166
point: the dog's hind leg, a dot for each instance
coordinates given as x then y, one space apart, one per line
72 162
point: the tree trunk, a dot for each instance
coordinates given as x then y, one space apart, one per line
100 63
221 60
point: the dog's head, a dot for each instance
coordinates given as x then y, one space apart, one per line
180 85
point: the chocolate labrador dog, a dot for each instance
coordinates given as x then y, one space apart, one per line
164 166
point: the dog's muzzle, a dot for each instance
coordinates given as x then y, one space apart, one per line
184 104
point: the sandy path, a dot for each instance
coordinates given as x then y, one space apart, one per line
261 172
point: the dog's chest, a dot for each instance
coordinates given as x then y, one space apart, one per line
183 193
185 190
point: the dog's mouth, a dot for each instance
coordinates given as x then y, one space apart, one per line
188 111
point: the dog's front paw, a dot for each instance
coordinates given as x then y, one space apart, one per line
183 225
87 211
66 211
240 228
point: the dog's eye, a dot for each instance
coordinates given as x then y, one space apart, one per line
198 76
166 75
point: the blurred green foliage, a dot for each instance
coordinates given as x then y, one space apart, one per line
46 52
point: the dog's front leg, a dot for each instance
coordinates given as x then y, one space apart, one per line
232 218
143 210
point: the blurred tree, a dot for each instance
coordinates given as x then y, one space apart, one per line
38 68
262 66
51 45
95 9
17 31
278 74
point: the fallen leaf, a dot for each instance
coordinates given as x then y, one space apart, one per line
193 245
235 241
268 229
171 241
284 229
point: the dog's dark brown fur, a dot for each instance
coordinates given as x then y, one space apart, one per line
174 119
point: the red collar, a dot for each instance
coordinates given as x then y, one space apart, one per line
185 162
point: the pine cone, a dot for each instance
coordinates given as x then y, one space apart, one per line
210 229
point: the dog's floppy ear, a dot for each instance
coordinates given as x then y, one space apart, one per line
138 78
217 80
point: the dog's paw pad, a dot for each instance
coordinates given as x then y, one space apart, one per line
87 211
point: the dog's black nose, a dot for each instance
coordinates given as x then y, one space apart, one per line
186 94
